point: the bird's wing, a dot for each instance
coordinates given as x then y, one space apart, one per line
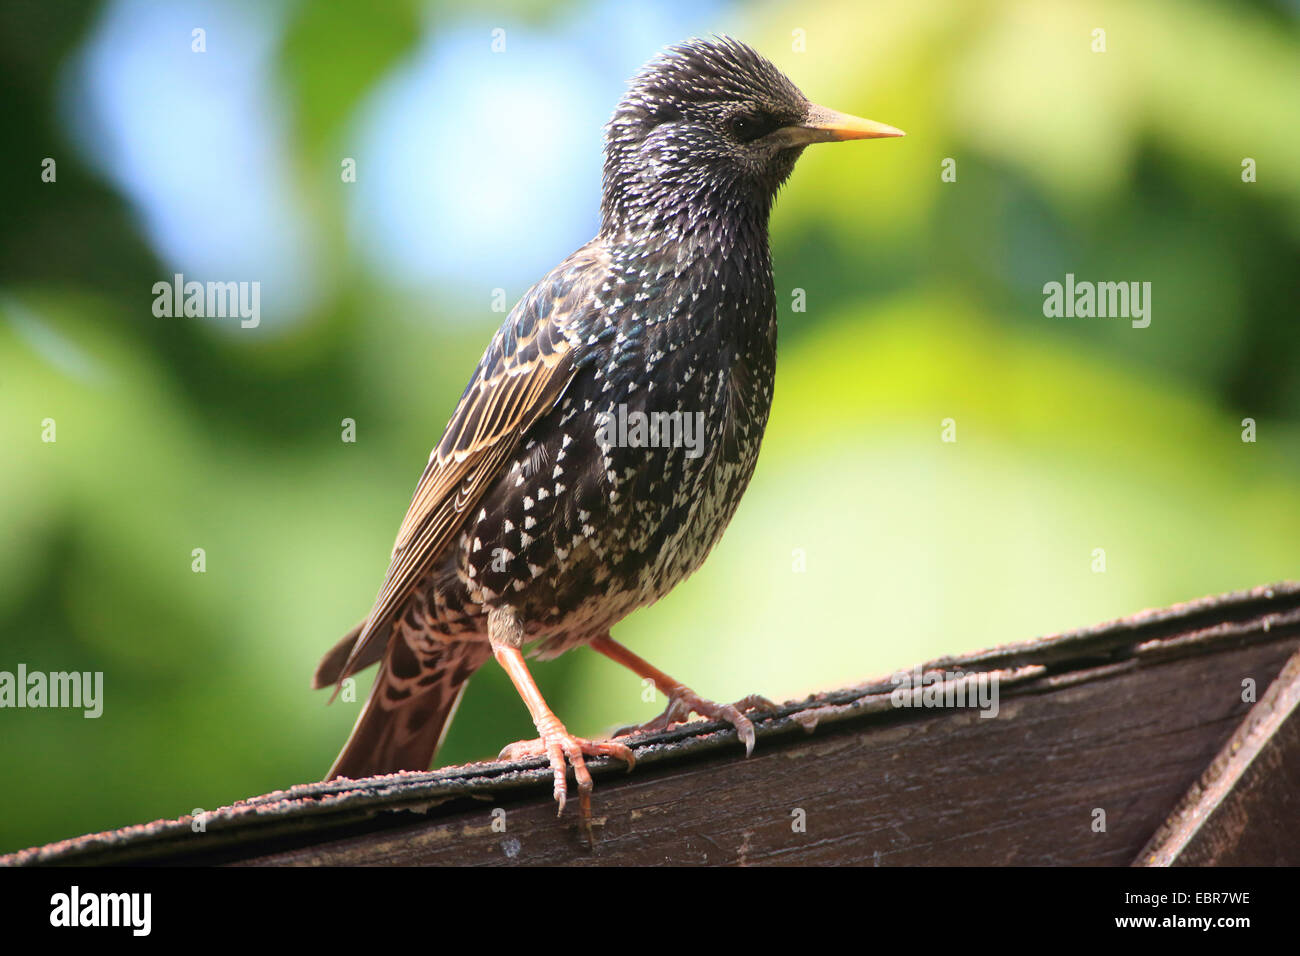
521 376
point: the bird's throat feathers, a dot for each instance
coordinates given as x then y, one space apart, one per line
673 196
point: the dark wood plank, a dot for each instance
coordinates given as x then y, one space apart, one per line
948 789
1120 718
1245 809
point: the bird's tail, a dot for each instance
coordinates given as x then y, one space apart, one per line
409 708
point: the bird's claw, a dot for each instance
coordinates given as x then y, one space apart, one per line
559 746
685 702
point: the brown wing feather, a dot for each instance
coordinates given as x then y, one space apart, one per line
523 373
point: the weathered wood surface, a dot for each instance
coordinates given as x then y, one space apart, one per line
1245 809
1120 719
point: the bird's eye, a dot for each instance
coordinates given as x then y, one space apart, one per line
747 127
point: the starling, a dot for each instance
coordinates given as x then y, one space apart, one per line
610 429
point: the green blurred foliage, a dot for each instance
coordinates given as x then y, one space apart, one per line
924 303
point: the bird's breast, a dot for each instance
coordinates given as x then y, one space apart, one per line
621 490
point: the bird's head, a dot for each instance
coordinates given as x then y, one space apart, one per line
710 123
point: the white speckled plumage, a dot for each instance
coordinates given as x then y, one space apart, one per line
669 309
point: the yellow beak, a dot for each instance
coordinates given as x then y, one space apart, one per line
822 125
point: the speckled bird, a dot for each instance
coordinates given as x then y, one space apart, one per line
542 520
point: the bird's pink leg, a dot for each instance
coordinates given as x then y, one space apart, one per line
682 701
555 743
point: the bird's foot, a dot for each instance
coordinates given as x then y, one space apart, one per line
685 702
557 745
